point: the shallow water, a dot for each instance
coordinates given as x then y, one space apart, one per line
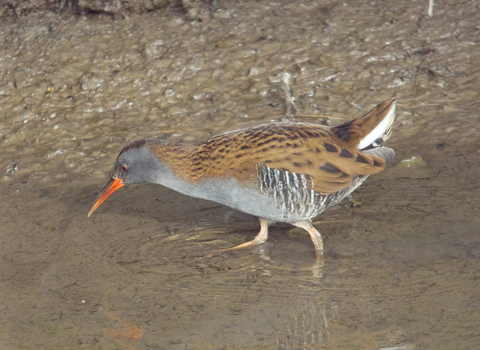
401 269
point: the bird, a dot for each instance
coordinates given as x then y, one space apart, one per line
286 172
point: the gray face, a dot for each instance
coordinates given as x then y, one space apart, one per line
135 165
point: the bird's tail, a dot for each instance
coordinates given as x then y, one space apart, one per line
372 130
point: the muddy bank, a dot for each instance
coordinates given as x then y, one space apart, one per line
401 269
193 9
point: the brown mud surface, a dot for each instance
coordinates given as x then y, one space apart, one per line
402 270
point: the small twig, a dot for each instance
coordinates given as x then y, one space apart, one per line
288 96
430 8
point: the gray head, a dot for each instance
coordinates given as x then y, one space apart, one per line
135 163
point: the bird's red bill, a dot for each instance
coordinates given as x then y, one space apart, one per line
111 186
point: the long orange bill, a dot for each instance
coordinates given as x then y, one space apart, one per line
111 186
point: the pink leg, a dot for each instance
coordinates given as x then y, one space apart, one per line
314 235
259 238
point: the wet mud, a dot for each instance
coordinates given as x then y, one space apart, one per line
402 257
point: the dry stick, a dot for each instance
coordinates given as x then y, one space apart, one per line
430 8
288 96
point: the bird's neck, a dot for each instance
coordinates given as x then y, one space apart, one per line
175 157
193 163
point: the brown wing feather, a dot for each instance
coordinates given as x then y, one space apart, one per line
298 148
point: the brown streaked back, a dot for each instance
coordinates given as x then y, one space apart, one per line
295 147
328 156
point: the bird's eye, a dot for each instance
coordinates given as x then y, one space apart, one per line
124 168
